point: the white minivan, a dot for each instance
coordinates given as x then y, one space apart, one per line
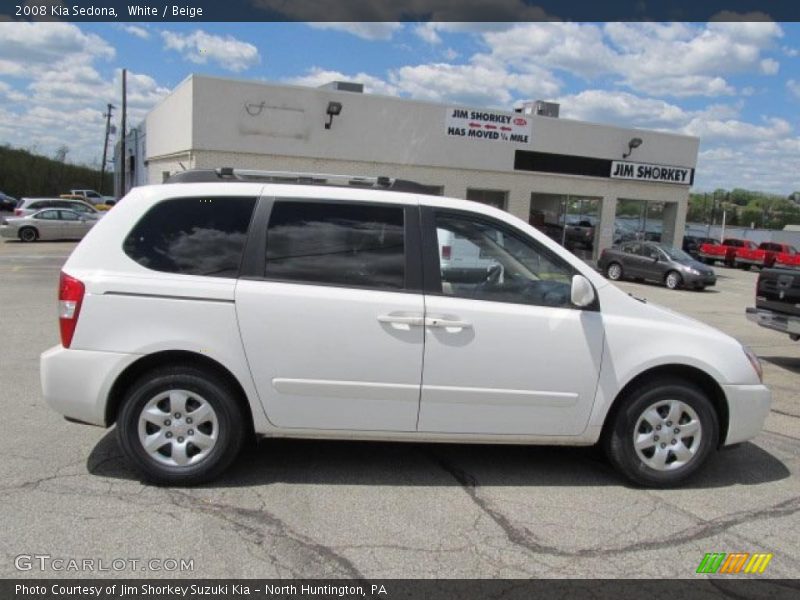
230 303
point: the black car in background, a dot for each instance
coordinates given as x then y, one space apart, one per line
692 243
655 262
7 202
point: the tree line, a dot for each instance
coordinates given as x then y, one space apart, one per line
23 173
744 208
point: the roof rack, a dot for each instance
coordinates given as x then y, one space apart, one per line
229 174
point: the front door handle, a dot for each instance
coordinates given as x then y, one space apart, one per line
401 319
447 323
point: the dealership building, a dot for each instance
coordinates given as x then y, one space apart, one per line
527 160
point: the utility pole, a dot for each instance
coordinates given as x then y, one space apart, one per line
123 160
109 108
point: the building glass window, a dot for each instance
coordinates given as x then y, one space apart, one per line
496 198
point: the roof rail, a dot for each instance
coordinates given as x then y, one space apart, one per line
229 174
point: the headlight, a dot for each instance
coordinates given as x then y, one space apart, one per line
693 271
754 362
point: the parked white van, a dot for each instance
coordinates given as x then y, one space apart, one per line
235 303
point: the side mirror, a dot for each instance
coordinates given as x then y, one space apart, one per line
581 292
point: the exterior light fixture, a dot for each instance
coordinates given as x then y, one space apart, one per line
633 143
334 108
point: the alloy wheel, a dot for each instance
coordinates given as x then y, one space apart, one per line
178 428
667 435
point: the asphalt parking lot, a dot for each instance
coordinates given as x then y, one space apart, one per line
379 510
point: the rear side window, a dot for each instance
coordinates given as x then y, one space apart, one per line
192 236
357 245
40 205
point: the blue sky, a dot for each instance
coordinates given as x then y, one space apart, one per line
734 85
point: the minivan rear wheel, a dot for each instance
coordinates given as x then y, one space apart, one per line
662 434
180 426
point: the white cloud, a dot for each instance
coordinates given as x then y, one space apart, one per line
316 77
135 30
794 87
770 66
427 33
200 47
670 59
733 130
364 30
622 108
35 46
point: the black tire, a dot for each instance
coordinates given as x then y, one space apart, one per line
231 429
618 439
28 234
614 271
673 280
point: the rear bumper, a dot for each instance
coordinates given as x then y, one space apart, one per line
76 383
773 320
748 407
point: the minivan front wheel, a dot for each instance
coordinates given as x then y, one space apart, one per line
180 426
662 434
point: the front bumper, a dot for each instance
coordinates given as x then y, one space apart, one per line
691 279
748 407
76 383
773 320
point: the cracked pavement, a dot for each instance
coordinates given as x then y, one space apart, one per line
386 510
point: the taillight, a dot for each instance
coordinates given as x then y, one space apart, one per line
446 252
17 212
70 296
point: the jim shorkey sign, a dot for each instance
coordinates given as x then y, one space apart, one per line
646 172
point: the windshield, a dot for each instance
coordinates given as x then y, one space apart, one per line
675 253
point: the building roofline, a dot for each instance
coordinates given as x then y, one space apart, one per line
400 99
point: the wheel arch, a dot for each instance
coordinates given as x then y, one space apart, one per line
172 358
688 373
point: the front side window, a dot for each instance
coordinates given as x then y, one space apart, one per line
192 236
651 252
68 215
484 261
359 245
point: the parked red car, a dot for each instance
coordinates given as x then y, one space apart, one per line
768 254
725 252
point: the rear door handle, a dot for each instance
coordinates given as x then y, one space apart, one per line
443 323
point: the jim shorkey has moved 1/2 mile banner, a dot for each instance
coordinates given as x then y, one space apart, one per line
488 125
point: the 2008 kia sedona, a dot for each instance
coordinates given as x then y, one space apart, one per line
197 314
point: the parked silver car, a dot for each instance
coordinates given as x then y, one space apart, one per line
655 262
28 206
50 224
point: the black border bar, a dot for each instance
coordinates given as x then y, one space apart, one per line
697 588
399 10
